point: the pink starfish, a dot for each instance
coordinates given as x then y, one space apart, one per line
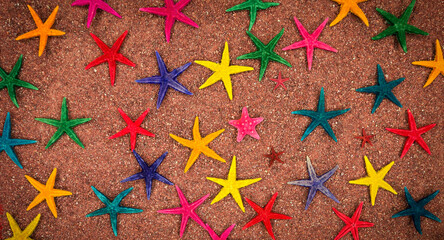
187 210
172 12
310 41
224 235
280 81
93 5
246 125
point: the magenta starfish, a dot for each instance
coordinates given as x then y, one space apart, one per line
310 41
352 224
224 235
280 81
246 125
110 55
172 12
413 134
365 138
187 210
93 5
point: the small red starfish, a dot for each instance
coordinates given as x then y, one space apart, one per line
280 81
274 156
413 134
352 224
365 138
264 215
133 128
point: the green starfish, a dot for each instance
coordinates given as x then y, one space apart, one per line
10 81
265 52
253 6
64 125
399 26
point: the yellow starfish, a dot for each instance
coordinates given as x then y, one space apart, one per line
43 29
437 64
46 192
375 179
18 234
349 6
222 71
199 144
232 186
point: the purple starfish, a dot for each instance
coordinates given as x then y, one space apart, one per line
93 5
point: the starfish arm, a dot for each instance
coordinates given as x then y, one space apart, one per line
54 32
401 132
210 137
343 232
332 114
364 224
196 132
325 46
225 61
387 187
51 122
161 94
163 179
129 210
427 199
212 154
429 64
121 195
101 196
328 193
74 137
171 211
75 122
252 55
310 129
277 58
417 223
24 84
151 80
234 69
366 181
30 34
158 161
344 9
279 216
311 194
185 142
211 80
252 222
31 227
329 130
36 17
389 31
269 228
52 206
273 42
385 169
121 133
179 87
388 16
222 194
433 75
303 183
80 2
307 113
219 181
13 224
37 200
54 137
301 29
328 174
134 177
181 17
15 70
408 11
355 217
413 29
253 15
238 199
428 214
99 212
18 142
183 224
319 29
156 11
401 35
141 117
97 61
51 19
246 182
105 7
343 217
193 157
295 45
208 64
199 202
169 22
228 87
10 152
242 6
371 89
423 144
227 232
42 44
373 192
358 12
125 60
407 145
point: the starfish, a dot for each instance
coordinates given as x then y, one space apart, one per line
274 156
232 186
413 134
349 6
199 145
172 12
43 29
265 52
352 224
375 180
148 173
253 6
7 143
110 55
17 233
133 128
47 192
64 125
246 125
92 9
399 26
316 183
437 64
310 41
320 117
10 81
365 138
416 209
280 81
166 79
113 207
222 71
224 235
187 210
383 90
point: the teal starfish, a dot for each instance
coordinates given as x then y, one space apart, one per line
10 81
64 125
320 117
383 90
265 52
399 26
253 6
113 207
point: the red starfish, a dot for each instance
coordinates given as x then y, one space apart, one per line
353 223
280 81
413 134
365 138
273 156
110 55
133 128
264 215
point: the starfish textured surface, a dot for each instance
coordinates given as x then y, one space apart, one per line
17 233
349 6
365 138
246 125
224 235
352 224
92 9
232 186
280 81
437 65
253 6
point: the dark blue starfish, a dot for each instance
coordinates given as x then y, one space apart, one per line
417 210
148 173
320 117
112 207
383 90
315 183
7 143
166 79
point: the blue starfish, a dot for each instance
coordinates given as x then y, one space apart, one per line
320 117
7 143
315 183
148 173
417 210
166 79
383 90
113 208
